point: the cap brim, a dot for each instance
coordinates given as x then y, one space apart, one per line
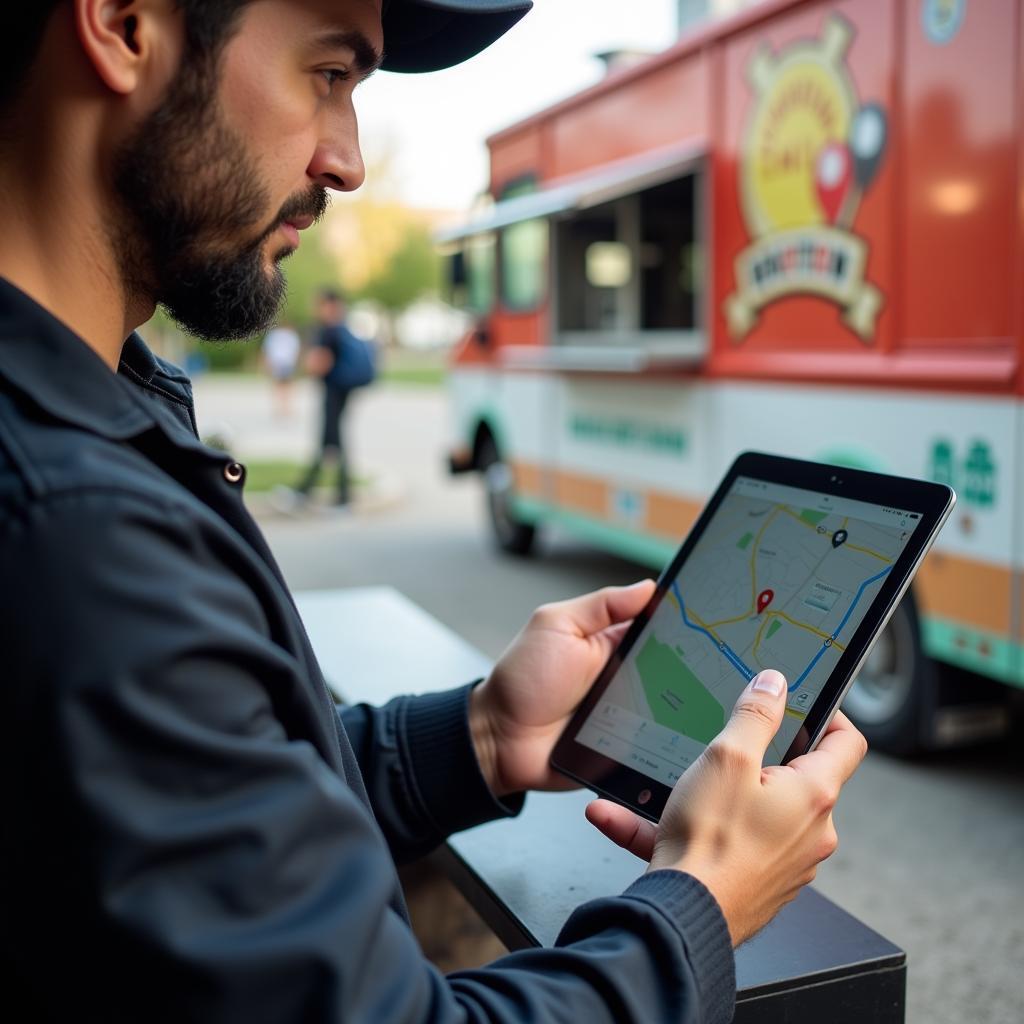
428 35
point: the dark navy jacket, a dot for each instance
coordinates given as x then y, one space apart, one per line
191 830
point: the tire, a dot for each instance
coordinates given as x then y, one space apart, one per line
892 698
509 533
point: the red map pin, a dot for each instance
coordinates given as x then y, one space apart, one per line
832 175
764 599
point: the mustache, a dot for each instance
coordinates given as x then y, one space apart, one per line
313 203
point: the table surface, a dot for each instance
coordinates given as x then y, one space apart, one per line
374 644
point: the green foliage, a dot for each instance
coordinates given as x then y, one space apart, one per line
228 355
413 270
307 270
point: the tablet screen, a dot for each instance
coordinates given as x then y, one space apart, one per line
781 578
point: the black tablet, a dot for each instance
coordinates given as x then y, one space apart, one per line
792 565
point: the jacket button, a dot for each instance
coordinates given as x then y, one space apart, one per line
234 472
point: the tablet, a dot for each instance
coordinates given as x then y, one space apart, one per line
792 565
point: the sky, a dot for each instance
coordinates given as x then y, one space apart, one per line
434 126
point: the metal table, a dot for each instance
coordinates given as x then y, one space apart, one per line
524 876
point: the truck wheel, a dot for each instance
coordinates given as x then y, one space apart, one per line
511 534
891 698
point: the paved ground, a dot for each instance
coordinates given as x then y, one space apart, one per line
932 851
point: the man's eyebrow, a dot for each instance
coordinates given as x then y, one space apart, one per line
367 58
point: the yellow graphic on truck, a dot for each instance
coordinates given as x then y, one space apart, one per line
810 153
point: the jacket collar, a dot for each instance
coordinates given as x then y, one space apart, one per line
60 373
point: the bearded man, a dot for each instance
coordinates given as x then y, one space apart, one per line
193 831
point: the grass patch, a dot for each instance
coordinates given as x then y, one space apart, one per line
262 476
421 369
265 476
432 377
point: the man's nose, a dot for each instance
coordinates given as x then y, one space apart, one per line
338 160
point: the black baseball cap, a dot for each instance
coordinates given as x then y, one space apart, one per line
428 35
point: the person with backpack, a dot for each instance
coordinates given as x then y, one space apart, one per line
343 362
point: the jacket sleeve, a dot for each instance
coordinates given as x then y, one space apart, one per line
181 855
421 772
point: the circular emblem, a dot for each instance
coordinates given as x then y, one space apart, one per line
942 19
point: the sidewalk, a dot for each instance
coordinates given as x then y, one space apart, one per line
379 423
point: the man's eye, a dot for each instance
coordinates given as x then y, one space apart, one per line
333 75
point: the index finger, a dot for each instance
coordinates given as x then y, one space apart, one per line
842 747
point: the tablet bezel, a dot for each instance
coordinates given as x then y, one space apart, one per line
933 501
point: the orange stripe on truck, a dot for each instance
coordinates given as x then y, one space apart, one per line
964 591
670 516
579 493
528 479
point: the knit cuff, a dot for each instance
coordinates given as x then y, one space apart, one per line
444 766
689 905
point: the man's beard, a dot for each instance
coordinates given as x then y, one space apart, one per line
195 219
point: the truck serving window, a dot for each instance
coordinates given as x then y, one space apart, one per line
523 259
629 271
479 256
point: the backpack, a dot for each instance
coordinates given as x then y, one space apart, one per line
355 361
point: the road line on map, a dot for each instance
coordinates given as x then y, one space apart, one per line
810 629
868 551
726 651
753 556
839 628
720 645
852 547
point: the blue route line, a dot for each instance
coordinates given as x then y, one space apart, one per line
734 659
720 645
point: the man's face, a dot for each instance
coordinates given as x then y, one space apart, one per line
215 184
329 311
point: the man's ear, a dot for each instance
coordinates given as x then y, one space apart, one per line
120 36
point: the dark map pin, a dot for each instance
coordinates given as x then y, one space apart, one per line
867 143
839 537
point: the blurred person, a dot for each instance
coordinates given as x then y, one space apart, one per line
280 353
192 830
326 361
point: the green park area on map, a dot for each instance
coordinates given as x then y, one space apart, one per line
812 517
676 697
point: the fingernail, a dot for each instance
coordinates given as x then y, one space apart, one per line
769 681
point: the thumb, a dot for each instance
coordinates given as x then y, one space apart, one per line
595 612
758 713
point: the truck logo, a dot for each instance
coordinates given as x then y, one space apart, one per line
811 150
942 19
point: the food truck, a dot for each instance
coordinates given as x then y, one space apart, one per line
798 230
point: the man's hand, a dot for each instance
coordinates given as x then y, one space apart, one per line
518 713
754 836
318 361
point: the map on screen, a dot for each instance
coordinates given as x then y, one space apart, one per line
781 578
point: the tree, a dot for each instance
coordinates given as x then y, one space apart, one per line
308 270
413 270
383 249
